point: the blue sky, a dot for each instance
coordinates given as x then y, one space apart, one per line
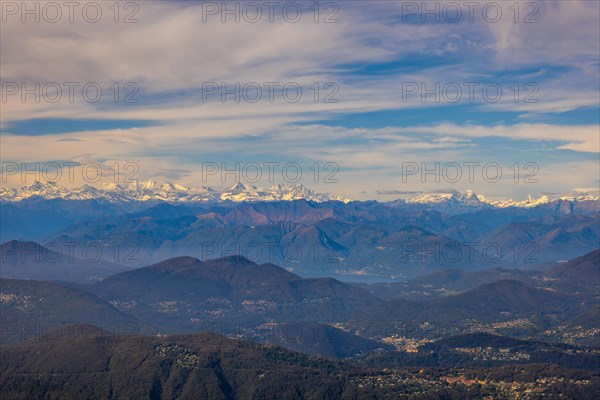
374 61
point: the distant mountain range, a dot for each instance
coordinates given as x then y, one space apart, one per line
454 202
303 231
29 260
151 191
332 238
581 275
469 198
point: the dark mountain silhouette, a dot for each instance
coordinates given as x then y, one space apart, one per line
31 309
447 282
181 294
323 340
580 274
100 365
503 300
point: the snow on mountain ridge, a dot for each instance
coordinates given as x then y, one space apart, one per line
240 192
152 190
469 199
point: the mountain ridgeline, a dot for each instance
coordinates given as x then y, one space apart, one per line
188 293
355 239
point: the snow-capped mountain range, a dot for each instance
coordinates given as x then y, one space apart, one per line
469 199
240 192
152 190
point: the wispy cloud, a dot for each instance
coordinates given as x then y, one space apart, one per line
370 54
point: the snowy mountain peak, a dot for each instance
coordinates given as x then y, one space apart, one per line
528 202
466 198
241 187
154 185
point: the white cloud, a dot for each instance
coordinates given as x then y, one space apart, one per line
171 52
583 138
